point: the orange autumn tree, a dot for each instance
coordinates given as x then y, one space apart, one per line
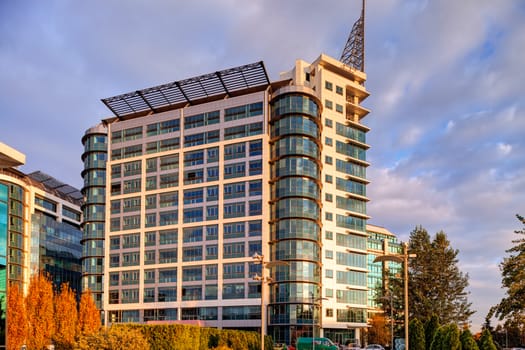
40 311
88 314
17 325
66 316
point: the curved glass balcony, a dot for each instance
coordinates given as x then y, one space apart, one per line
296 187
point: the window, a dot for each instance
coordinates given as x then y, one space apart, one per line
210 292
236 150
329 235
192 273
169 199
233 250
212 193
255 228
212 173
255 188
329 292
339 108
234 230
233 291
241 112
255 167
234 210
328 160
192 253
212 232
193 215
168 236
192 234
169 162
255 148
328 197
163 127
235 270
329 179
255 208
149 257
234 170
329 273
213 155
132 168
167 256
339 90
167 275
193 176
329 254
212 212
329 216
329 312
234 190
328 141
168 217
195 195
328 104
150 238
193 158
211 272
328 85
212 252
328 123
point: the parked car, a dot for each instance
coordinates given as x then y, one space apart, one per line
374 347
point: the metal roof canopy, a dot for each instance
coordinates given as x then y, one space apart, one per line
221 83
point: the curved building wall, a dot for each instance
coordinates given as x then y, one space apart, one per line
94 191
295 131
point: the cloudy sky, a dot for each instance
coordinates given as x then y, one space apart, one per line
447 83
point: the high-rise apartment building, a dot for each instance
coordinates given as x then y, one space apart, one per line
204 173
39 228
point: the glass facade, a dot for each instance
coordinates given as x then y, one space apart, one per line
295 214
94 191
4 200
56 249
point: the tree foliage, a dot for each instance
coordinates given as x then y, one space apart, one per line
486 342
114 338
437 286
89 316
40 311
66 316
467 341
379 332
416 335
17 325
512 306
431 328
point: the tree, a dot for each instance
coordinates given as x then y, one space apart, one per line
431 328
379 332
66 317
512 306
438 340
451 337
114 338
437 286
486 342
40 311
416 335
88 314
17 325
467 341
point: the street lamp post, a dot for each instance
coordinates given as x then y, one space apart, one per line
401 259
314 300
391 299
259 259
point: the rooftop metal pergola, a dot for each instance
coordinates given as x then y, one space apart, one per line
213 85
59 188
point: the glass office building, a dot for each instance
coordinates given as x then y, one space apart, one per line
203 173
39 228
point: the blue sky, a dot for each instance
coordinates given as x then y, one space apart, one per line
446 80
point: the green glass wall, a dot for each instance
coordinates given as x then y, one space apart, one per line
3 260
295 130
94 175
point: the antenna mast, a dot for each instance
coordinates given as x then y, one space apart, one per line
354 52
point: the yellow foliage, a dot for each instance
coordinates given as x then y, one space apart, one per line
17 325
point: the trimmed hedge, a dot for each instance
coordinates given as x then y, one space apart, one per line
188 337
